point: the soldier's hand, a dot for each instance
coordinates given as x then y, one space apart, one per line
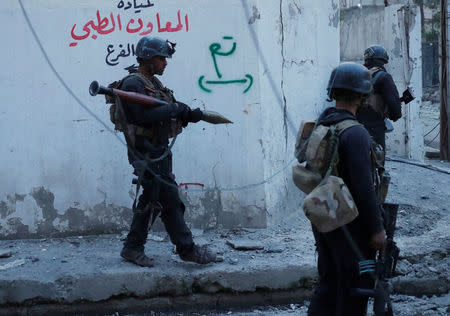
182 112
378 242
195 115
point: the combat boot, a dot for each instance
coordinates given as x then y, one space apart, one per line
201 255
137 257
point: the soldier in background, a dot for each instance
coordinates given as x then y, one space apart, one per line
340 250
384 101
148 131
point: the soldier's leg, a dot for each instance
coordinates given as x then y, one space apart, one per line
133 248
323 302
357 305
172 216
139 225
325 298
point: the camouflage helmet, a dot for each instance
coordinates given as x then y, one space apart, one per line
350 76
376 52
148 47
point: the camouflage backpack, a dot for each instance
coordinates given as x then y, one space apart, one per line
328 204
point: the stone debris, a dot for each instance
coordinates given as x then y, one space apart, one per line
274 249
281 254
154 238
12 264
5 253
123 236
233 261
245 245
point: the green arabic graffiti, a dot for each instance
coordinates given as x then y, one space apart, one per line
215 49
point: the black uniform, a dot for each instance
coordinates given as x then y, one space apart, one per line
155 193
372 120
337 259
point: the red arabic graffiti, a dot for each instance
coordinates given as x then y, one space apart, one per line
106 25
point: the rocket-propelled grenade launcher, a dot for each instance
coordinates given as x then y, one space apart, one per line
145 100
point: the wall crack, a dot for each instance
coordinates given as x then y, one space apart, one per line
282 76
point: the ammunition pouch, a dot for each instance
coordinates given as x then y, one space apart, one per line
330 205
116 108
305 179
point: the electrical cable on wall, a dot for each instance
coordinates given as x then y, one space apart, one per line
224 189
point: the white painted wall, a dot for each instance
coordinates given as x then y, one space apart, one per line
50 141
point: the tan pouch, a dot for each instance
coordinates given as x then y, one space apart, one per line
318 149
306 180
304 132
330 205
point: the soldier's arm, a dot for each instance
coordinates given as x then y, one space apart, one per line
141 115
388 90
355 155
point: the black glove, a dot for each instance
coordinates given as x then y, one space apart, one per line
195 115
186 115
181 111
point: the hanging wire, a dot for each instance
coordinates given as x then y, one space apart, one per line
439 123
137 154
431 141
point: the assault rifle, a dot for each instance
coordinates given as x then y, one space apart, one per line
382 305
389 212
383 268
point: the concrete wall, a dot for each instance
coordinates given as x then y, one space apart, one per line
65 173
397 28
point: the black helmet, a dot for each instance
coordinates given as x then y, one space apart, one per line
147 47
376 52
350 76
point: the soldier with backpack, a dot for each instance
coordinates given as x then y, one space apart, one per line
384 101
341 201
147 131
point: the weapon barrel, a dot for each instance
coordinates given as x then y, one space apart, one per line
139 98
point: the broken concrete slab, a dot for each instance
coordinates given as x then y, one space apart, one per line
12 264
5 253
93 271
433 154
245 245
88 270
274 248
